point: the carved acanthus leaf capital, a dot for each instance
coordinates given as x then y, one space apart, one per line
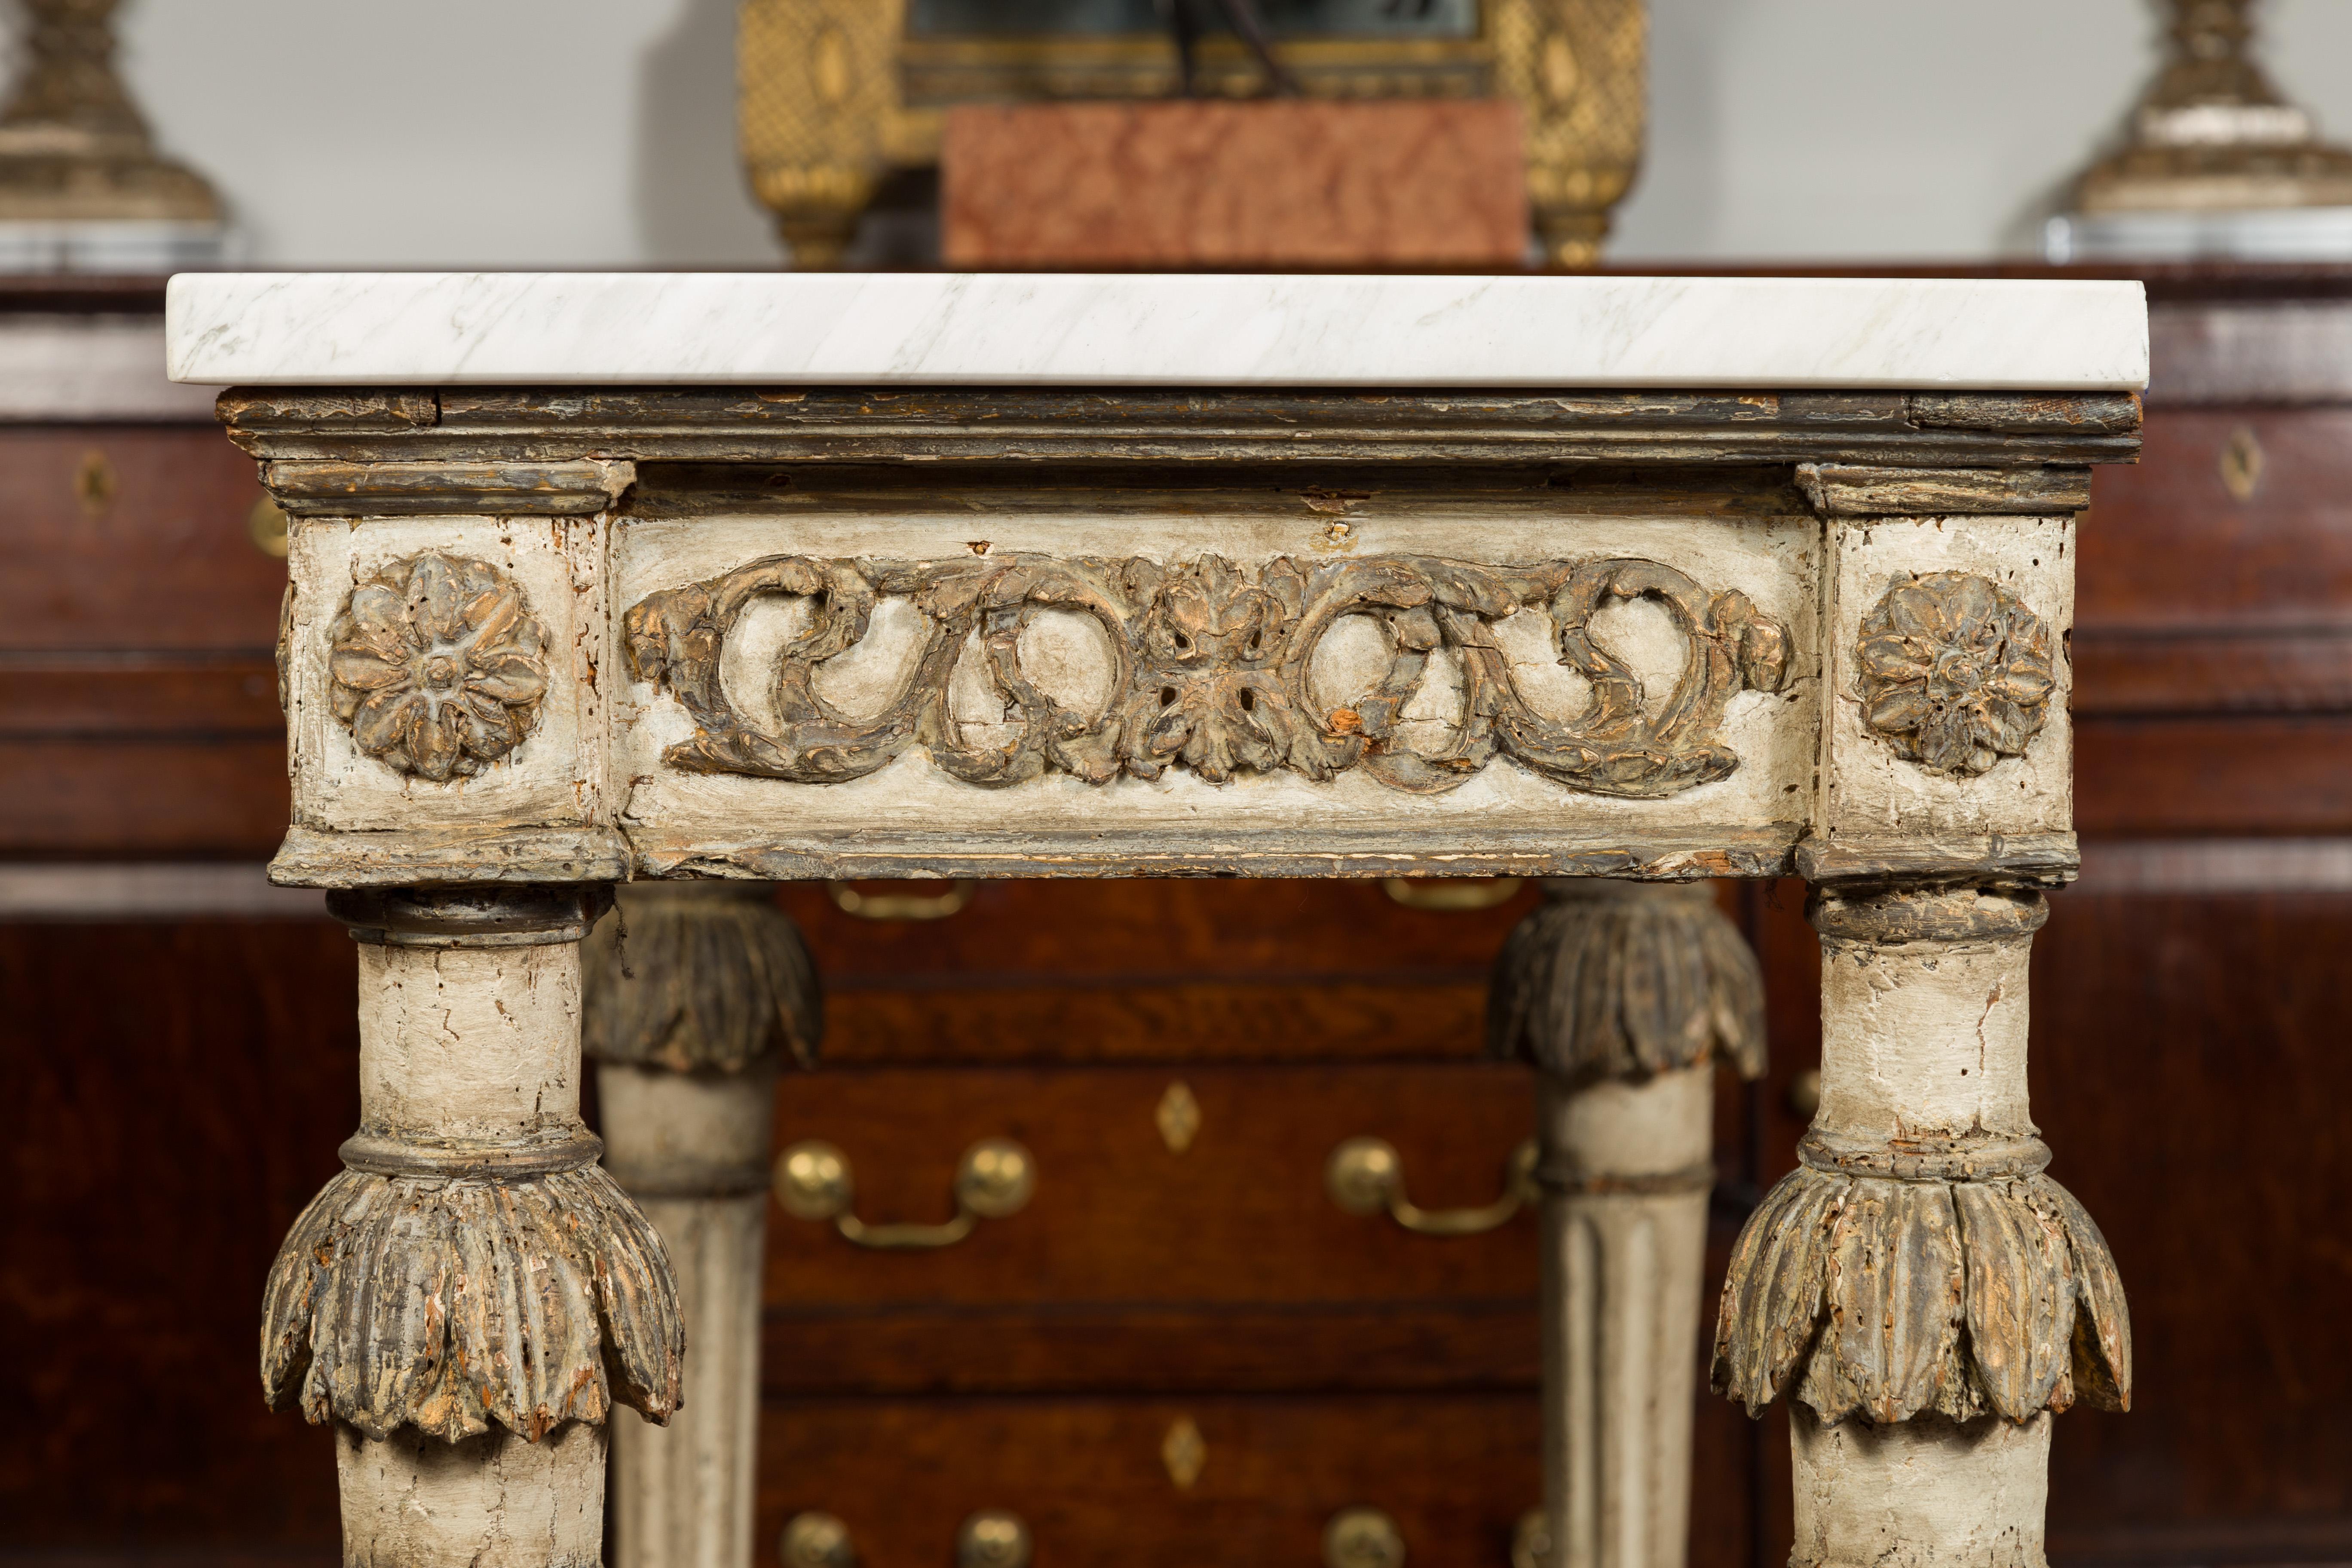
455 1305
1887 1297
699 976
1625 980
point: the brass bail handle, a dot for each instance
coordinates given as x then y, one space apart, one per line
994 1180
1452 895
900 906
1365 1177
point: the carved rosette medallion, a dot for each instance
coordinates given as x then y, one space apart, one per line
1207 668
436 666
1956 672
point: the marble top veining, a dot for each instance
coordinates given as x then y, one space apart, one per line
453 329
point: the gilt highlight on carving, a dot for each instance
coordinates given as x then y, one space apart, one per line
438 667
1956 672
454 1304
1210 670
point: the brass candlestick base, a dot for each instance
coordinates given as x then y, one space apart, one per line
81 185
2219 162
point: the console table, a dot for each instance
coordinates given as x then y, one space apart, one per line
598 578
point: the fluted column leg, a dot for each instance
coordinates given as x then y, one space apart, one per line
468 1301
1927 1296
1623 994
694 998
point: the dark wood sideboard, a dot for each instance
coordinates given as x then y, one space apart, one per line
174 1037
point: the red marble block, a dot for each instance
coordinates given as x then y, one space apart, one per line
1273 184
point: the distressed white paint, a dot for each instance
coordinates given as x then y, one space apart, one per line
1929 1493
1922 1040
1621 1289
1771 558
687 1145
452 329
492 1501
1870 793
554 778
1927 1038
470 1043
682 1495
670 1133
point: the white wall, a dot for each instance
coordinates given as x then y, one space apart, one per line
588 133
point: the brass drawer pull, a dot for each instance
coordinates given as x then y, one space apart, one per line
900 906
994 1181
1362 1538
1451 895
816 1540
993 1537
1365 1177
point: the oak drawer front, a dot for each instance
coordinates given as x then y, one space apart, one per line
2233 519
1091 1479
133 795
129 537
1238 1215
920 1347
1239 970
137 691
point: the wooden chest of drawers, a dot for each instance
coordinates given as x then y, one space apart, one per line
1049 1363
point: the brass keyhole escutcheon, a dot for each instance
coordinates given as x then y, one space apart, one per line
1178 1117
2241 464
1184 1451
994 1180
94 484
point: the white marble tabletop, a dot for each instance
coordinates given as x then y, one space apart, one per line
548 329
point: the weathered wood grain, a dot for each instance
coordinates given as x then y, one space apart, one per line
1839 489
1132 428
506 488
440 857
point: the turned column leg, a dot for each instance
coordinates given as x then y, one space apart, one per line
694 997
1624 995
1925 1294
468 1301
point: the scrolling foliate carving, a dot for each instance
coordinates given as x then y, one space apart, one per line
1956 672
1208 670
437 667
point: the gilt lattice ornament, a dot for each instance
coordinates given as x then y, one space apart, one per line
436 666
1956 672
1207 669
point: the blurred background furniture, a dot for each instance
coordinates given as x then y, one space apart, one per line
844 102
162 1071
